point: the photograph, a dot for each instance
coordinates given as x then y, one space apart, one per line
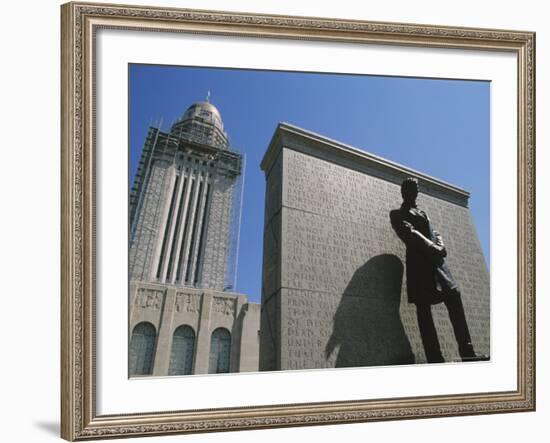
289 220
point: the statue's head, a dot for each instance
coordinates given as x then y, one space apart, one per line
409 189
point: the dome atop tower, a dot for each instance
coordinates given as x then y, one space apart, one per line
206 111
202 123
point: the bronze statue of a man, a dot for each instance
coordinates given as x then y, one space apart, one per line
429 280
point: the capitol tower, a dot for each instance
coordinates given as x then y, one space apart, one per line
185 203
184 214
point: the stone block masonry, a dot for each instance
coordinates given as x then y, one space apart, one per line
334 286
167 308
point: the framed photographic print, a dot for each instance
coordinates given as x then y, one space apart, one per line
254 207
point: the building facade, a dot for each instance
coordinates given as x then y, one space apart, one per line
184 222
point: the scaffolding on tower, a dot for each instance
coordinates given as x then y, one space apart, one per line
230 281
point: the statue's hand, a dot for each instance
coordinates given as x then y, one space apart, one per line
406 225
439 245
439 251
439 242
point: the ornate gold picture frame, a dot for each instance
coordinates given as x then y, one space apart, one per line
79 396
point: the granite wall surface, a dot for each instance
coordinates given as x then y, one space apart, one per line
334 286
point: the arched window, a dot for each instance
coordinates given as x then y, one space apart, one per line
183 349
142 349
220 351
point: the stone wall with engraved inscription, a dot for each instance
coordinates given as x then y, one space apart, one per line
334 286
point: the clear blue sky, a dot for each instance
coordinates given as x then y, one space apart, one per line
448 121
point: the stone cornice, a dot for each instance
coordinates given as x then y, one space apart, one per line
308 142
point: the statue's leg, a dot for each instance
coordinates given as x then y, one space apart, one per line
453 301
428 333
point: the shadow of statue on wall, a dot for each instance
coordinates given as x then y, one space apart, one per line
367 325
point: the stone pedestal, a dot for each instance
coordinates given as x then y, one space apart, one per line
334 289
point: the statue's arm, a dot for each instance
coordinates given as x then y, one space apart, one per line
415 239
406 232
399 226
